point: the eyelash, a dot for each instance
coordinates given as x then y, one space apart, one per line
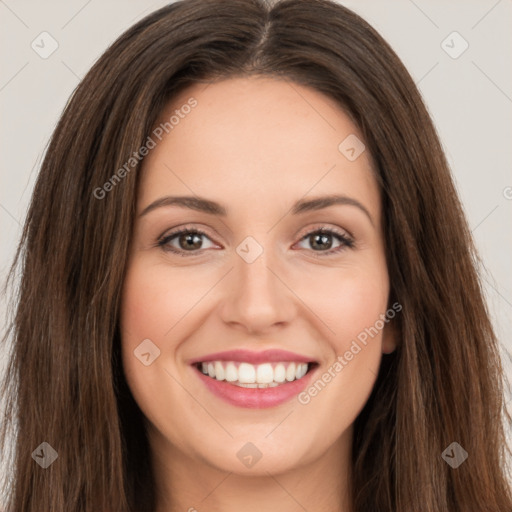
346 242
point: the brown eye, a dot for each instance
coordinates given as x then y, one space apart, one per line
186 240
321 241
189 241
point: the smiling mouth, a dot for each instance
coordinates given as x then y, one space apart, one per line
247 375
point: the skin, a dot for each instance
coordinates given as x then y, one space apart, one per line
256 145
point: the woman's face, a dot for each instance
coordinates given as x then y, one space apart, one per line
258 294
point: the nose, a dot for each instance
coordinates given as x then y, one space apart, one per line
257 298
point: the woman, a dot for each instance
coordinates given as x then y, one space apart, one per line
184 340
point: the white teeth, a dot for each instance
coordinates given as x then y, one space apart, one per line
246 373
290 372
279 373
231 372
254 376
301 371
264 373
219 371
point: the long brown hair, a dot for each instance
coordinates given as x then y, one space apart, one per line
65 383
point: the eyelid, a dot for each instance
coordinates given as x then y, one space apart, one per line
324 227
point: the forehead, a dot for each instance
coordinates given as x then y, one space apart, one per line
251 141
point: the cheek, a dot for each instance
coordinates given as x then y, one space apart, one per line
148 312
155 299
345 302
359 306
158 304
352 305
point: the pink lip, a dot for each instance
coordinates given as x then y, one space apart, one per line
255 398
248 356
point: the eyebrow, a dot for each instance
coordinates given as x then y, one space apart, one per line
204 205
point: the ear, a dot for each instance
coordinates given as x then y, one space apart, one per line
390 337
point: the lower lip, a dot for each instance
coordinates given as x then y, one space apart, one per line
255 398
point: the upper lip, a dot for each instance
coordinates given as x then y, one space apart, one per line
249 356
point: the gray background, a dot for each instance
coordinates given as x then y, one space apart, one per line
469 98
